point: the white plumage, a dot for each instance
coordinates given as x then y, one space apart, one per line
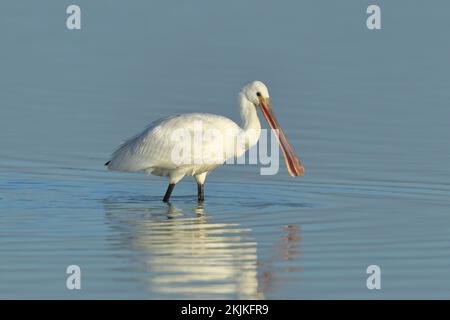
153 149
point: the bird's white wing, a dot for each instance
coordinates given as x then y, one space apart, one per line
153 147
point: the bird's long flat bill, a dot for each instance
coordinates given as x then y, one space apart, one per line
293 164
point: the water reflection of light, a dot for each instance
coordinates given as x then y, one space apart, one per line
184 255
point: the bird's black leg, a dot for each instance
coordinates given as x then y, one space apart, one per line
168 192
200 192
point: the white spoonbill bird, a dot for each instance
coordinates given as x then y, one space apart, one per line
155 150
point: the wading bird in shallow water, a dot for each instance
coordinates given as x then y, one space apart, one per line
152 150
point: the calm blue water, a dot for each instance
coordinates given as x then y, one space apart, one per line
367 111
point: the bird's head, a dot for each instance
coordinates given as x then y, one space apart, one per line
257 93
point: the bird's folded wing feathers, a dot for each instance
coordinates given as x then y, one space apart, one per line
153 146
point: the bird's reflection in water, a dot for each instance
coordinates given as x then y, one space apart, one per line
184 255
287 253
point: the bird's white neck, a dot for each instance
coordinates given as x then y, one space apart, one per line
250 121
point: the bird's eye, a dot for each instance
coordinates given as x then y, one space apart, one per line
258 94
